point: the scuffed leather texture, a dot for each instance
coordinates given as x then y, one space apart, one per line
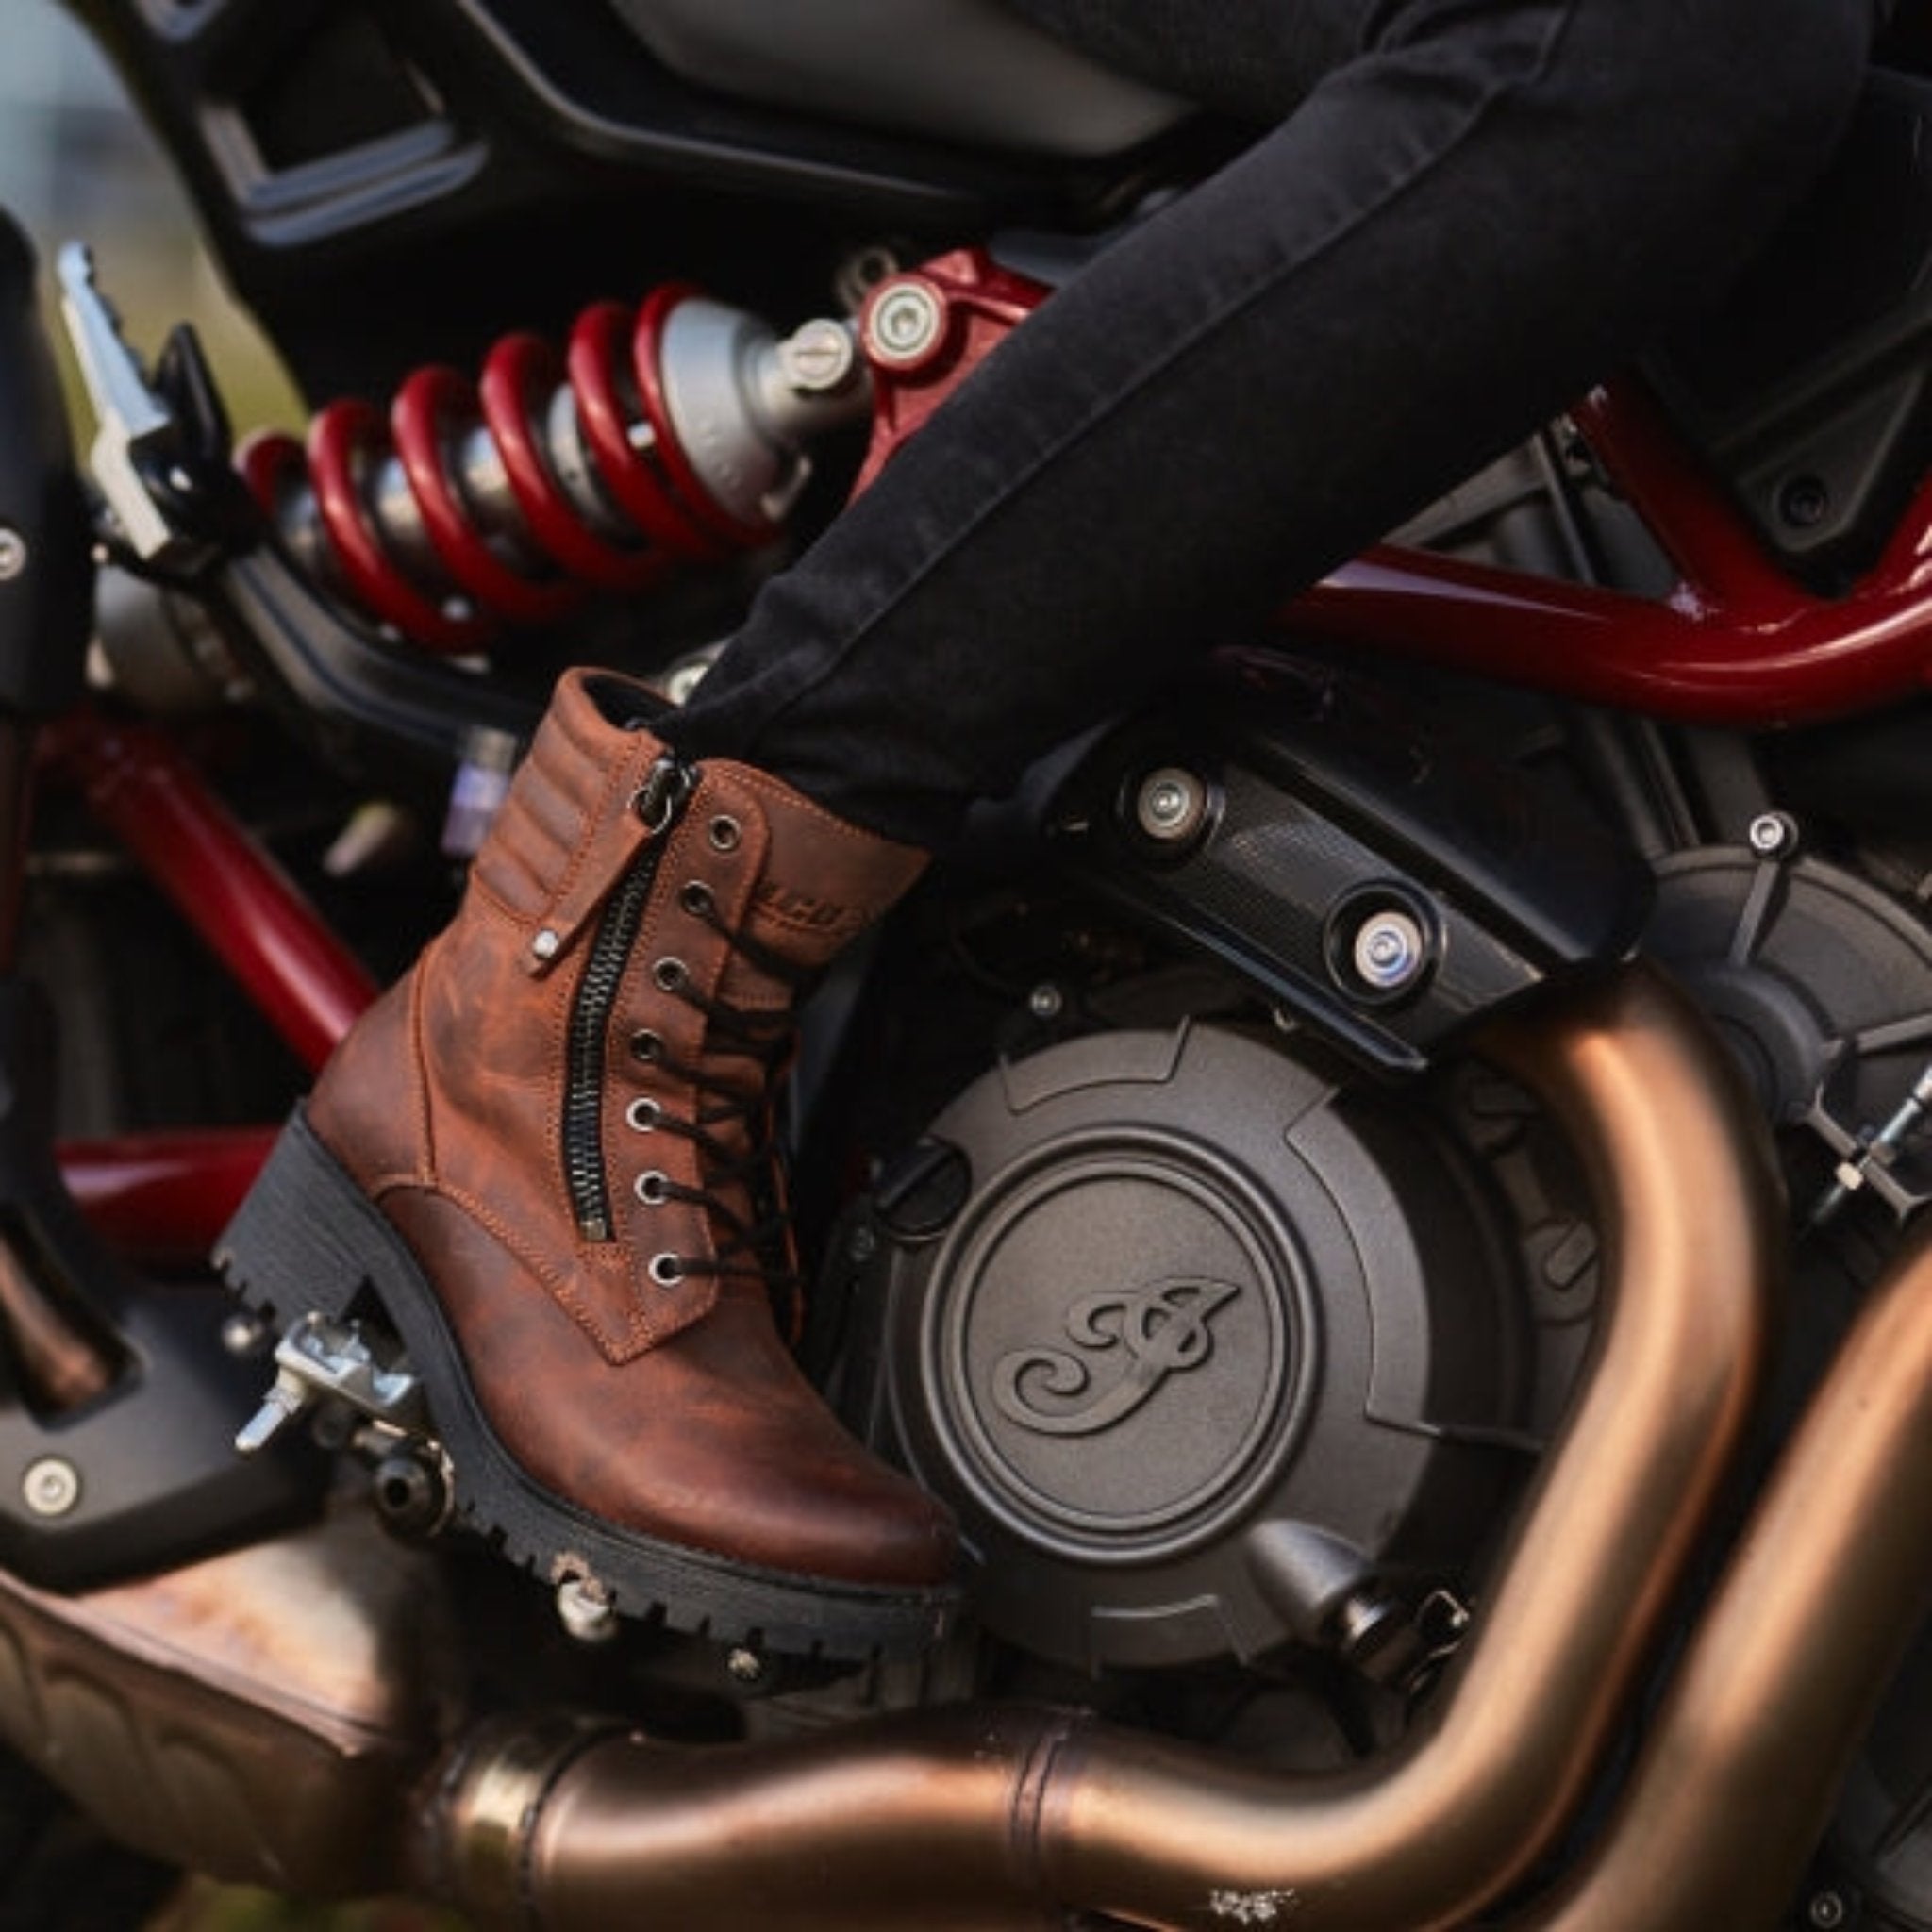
672 1410
714 1442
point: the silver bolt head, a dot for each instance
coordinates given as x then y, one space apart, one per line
1046 1001
13 553
745 1665
1771 834
584 1611
1170 804
244 1335
547 944
1390 949
51 1487
1825 1910
903 322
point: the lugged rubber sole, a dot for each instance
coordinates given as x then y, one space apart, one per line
308 1240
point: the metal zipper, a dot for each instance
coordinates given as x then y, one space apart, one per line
587 1043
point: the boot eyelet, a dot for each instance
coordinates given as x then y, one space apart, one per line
725 833
652 1187
646 1046
670 975
642 1114
667 1271
697 899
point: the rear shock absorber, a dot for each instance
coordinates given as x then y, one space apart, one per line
665 437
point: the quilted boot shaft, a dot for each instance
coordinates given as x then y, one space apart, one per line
563 1114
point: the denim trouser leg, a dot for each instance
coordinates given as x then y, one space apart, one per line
1474 209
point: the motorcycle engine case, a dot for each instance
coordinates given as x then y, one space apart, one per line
1195 1342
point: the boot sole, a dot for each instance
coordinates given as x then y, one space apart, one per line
308 1240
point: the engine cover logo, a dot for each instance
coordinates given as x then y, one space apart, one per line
1162 1330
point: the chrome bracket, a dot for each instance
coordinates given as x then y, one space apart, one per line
322 1365
1866 1161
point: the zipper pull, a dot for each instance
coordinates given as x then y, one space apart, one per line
661 798
614 850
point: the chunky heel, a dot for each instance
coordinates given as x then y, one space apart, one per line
306 1240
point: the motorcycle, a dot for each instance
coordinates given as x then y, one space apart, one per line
1382 1194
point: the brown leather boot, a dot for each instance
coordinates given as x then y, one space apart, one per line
546 1154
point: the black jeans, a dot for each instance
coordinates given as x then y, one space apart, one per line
1468 210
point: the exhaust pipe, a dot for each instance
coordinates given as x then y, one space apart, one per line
1818 1607
978 1818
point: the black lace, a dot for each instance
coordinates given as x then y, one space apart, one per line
758 1248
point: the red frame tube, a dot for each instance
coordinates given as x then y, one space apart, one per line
165 1197
144 790
1740 643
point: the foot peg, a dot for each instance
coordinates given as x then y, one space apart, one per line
343 1371
350 1381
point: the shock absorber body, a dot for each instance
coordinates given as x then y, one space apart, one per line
665 437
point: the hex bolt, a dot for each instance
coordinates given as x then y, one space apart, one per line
1772 835
411 1495
1390 950
585 1609
904 323
1170 804
51 1487
13 553
1805 502
1046 1001
244 1335
1826 1910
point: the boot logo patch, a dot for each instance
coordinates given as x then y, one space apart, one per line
1126 1344
801 909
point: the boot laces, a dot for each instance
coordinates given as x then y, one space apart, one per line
742 1164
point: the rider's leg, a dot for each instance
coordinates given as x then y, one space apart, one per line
1489 205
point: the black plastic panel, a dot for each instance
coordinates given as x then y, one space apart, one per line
1811 391
973 71
1325 808
46 579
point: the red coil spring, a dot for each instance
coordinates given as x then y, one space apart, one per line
650 483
